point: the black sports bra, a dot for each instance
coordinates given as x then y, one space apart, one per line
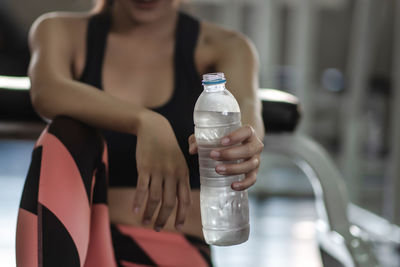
178 110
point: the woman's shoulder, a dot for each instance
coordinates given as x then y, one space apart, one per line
60 23
66 19
225 41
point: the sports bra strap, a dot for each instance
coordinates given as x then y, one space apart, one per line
96 41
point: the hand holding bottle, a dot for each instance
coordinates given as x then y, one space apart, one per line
242 144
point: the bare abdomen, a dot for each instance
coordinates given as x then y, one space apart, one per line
120 201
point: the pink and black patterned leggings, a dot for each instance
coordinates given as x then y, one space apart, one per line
63 217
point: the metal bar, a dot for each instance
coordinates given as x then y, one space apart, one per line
232 15
15 83
329 188
359 67
393 175
303 25
379 229
264 31
331 198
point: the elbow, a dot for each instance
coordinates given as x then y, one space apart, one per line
259 128
41 101
35 98
261 131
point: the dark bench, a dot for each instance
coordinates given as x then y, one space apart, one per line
281 111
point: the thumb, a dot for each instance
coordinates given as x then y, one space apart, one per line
192 145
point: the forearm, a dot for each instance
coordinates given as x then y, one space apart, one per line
258 126
251 115
85 103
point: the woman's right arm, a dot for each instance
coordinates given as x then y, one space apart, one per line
55 92
162 169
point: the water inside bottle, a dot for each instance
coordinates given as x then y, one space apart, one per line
224 215
211 126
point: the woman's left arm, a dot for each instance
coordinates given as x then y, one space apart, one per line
238 60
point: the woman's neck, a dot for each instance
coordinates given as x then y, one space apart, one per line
123 23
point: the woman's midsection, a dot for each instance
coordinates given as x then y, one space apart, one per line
120 200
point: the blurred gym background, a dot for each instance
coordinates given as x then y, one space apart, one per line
341 59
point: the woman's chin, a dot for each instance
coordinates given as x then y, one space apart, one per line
147 11
146 5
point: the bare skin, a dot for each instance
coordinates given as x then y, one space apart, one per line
137 51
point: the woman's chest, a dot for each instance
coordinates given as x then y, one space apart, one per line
146 74
142 74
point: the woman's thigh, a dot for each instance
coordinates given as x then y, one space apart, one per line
135 246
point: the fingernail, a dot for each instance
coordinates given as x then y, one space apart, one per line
225 141
221 168
179 227
157 228
236 186
214 154
136 210
146 222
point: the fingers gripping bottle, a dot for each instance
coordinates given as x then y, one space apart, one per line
224 212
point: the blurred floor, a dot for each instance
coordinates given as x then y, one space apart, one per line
14 161
282 235
282 229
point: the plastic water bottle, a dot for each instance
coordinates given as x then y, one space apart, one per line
224 212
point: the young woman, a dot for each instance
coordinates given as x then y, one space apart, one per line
133 69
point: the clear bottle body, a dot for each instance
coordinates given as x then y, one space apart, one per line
224 215
224 212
